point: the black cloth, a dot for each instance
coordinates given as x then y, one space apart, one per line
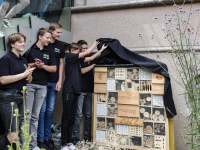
70 103
59 52
11 64
118 54
87 84
72 83
4 143
6 109
46 55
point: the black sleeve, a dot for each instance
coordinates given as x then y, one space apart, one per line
83 65
62 51
72 57
82 59
52 61
4 65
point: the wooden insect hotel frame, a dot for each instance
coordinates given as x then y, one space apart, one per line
128 108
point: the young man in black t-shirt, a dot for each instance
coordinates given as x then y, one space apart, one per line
41 56
85 99
72 89
54 84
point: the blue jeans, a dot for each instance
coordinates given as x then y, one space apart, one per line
46 113
85 103
43 7
32 7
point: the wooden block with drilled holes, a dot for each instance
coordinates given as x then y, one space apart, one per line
157 78
100 77
160 142
129 121
128 111
128 97
158 89
100 88
100 69
101 98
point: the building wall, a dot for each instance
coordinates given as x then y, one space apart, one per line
125 25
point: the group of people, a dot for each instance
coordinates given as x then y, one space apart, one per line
41 70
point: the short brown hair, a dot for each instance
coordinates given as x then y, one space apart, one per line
54 25
42 31
15 37
74 46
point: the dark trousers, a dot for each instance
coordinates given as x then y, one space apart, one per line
3 143
85 104
6 112
69 113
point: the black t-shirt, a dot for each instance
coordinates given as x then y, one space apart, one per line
87 84
59 52
11 64
72 83
46 55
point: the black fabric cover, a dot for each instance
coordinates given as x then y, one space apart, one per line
118 54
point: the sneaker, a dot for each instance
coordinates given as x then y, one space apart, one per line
50 144
6 23
42 145
72 147
1 33
28 15
36 148
65 148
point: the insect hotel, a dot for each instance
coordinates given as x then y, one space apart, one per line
128 108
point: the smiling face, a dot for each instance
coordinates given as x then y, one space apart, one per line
84 47
45 39
56 33
19 45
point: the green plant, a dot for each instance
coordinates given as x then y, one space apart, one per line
181 29
24 128
85 145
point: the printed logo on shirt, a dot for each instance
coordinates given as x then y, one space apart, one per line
57 50
25 66
45 56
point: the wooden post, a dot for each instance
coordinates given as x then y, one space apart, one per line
93 135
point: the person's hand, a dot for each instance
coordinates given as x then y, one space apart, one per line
38 60
28 71
58 86
39 65
104 46
96 43
29 77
